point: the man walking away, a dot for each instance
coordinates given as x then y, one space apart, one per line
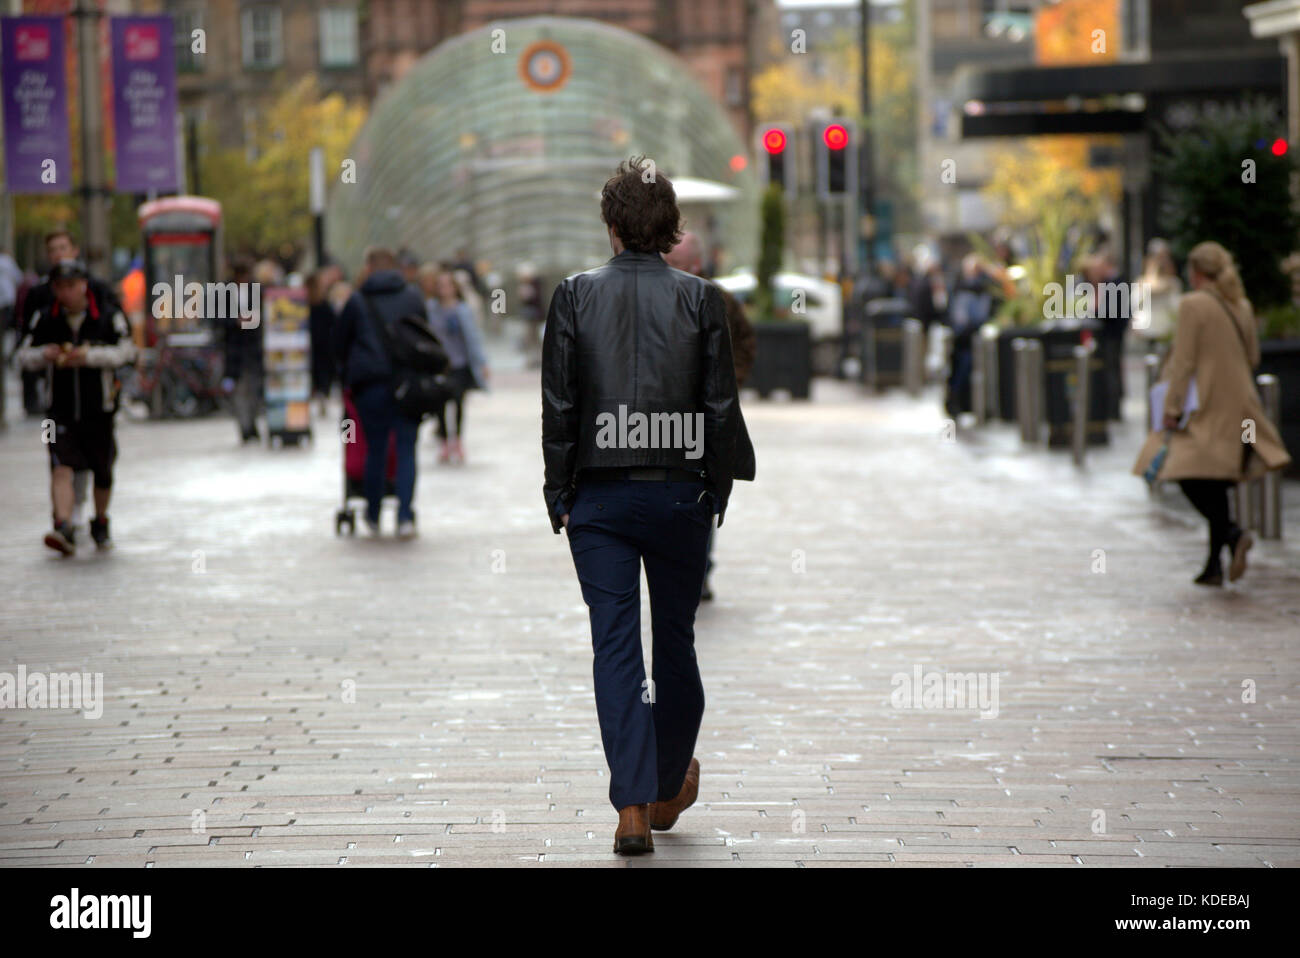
79 347
635 339
384 297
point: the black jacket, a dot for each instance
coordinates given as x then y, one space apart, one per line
357 346
636 337
80 393
244 345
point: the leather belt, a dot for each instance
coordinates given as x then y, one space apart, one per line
643 474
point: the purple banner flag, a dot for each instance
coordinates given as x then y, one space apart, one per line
144 104
33 81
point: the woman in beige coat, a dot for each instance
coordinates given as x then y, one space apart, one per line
1227 438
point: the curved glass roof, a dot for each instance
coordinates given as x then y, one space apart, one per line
471 149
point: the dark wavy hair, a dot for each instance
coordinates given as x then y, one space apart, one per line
644 215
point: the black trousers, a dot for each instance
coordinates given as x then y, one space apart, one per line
1210 498
461 381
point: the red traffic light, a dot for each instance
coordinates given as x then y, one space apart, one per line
774 141
835 137
1279 147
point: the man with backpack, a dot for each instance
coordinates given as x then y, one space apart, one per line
78 344
367 330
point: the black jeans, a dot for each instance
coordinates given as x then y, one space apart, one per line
461 380
1210 497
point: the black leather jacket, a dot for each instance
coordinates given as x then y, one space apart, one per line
636 337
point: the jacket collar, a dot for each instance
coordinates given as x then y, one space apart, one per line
632 257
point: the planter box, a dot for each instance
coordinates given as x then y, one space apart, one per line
783 358
1061 382
1281 358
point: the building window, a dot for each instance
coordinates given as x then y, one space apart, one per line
735 86
184 22
262 37
338 37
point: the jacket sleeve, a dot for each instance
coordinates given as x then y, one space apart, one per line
718 400
28 355
1181 365
559 405
345 329
120 353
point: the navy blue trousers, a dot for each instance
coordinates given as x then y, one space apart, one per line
379 416
648 727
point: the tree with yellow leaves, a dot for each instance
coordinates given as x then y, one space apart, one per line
265 198
1047 189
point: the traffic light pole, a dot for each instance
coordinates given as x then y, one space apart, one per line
866 170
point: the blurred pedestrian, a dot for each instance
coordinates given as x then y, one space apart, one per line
1157 312
60 246
970 308
244 373
453 321
1215 434
465 263
360 346
321 324
687 257
78 347
1111 309
11 277
626 500
409 264
530 309
929 290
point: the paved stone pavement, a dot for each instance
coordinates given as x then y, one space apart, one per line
274 695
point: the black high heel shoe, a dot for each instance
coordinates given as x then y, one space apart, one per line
1211 575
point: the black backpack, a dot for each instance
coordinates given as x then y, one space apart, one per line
419 361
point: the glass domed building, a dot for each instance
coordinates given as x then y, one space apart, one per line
498 141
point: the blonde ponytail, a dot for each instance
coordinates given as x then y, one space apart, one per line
1215 263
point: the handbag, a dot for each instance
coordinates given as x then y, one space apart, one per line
419 362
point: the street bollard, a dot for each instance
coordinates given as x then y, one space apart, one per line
1020 359
1034 352
993 395
1079 437
978 392
1270 517
913 356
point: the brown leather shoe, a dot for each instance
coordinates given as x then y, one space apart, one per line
632 837
663 815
